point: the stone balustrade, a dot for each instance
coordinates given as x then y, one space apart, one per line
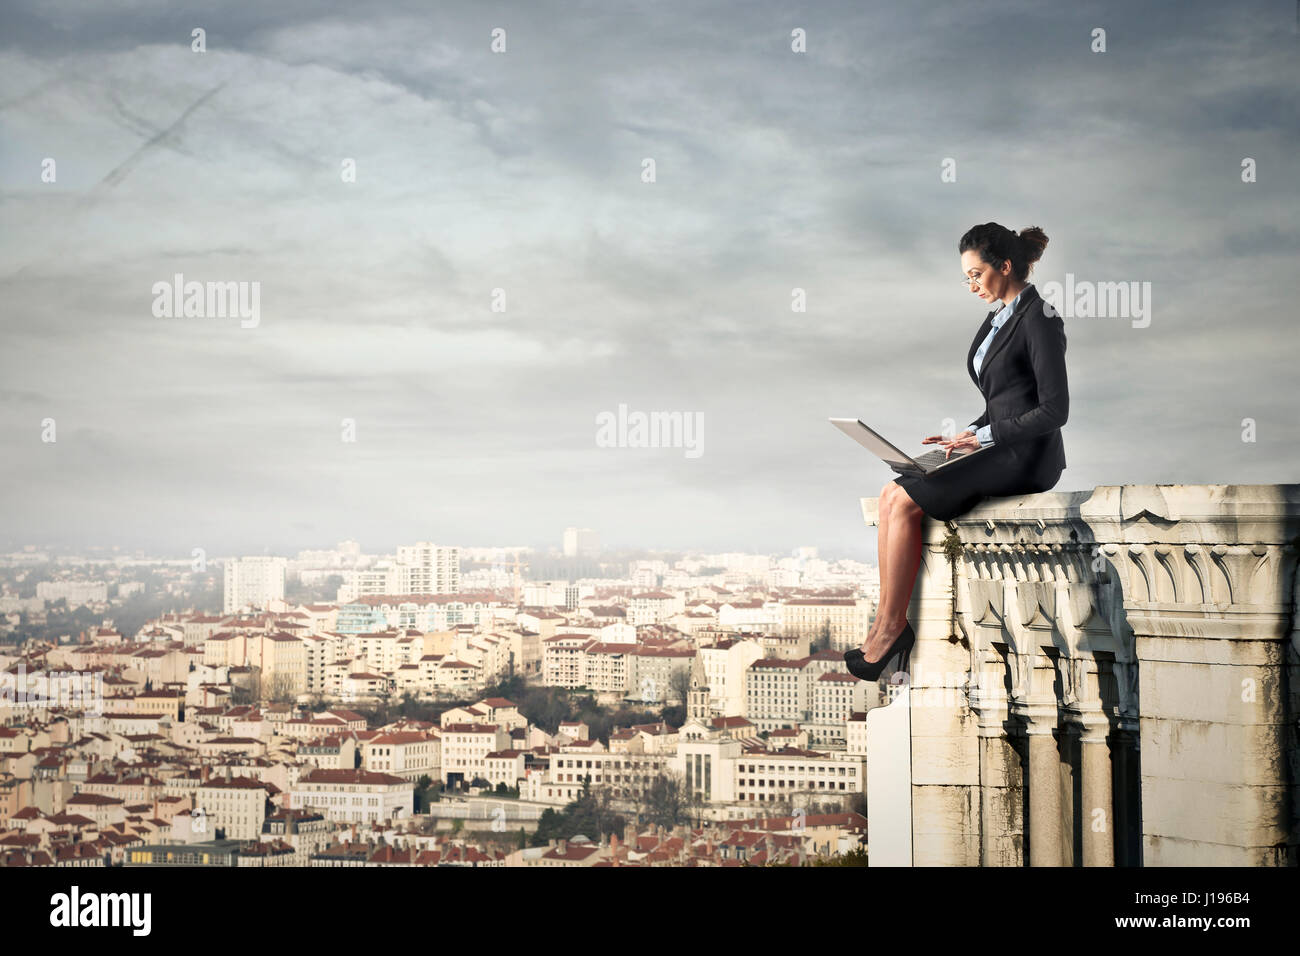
1101 678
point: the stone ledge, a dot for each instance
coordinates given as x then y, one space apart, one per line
1265 513
1156 625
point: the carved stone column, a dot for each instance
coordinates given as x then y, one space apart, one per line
1208 574
1045 836
1002 782
1097 803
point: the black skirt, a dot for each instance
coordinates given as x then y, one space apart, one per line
1003 471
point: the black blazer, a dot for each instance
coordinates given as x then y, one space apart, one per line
1023 380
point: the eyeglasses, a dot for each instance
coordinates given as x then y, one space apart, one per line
967 280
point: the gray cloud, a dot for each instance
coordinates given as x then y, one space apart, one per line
521 172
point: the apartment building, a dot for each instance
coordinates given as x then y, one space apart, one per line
836 696
652 672
562 659
763 776
607 668
725 664
505 766
489 710
306 831
253 582
558 779
335 752
225 649
354 796
721 768
465 748
428 569
848 619
379 650
653 607
76 593
166 703
422 568
283 662
103 810
778 693
235 805
318 651
409 754
755 616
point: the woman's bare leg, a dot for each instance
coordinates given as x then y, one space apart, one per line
882 558
900 559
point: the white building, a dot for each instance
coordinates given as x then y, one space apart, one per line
628 776
77 593
652 673
354 796
653 607
555 594
580 542
778 693
403 753
725 665
563 662
465 748
253 582
720 768
429 569
836 697
847 619
421 568
759 617
235 804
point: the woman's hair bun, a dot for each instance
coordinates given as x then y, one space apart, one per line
1034 241
996 244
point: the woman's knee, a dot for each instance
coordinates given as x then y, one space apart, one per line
902 502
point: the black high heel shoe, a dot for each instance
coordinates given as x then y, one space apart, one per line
901 648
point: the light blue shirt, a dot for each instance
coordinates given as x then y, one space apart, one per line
984 434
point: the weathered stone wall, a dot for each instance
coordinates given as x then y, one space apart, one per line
1107 677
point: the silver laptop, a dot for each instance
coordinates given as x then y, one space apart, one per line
895 457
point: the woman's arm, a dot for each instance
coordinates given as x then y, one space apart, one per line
1045 341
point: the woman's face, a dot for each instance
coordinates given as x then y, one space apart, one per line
992 282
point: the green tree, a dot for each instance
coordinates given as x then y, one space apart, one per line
590 814
855 857
422 800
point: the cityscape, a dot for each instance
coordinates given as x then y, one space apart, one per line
437 706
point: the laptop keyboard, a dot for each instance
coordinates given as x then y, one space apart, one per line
933 459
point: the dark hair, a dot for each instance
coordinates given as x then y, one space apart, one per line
995 244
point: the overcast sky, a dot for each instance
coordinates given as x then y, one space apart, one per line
523 171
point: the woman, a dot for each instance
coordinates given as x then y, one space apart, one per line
1017 361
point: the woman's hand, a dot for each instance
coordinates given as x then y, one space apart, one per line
964 439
